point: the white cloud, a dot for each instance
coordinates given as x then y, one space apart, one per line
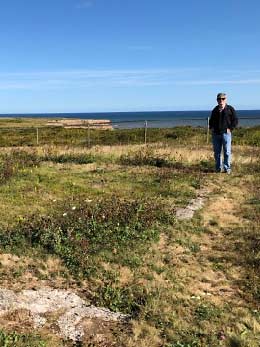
116 78
214 82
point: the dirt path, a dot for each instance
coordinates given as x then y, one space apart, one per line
212 271
206 261
220 215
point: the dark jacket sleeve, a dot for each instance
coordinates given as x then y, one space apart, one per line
212 118
233 118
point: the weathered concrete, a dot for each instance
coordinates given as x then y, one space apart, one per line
45 300
194 205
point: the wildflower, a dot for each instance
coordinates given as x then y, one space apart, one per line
206 293
73 208
195 297
88 200
65 214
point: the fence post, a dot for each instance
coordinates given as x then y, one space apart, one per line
145 132
207 130
88 134
37 136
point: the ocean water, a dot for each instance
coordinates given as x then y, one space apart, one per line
153 119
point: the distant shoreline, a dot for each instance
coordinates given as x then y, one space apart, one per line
153 119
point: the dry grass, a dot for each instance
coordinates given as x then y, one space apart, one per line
23 272
191 275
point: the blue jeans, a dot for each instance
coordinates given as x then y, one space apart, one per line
222 141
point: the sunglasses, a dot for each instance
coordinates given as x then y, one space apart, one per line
221 98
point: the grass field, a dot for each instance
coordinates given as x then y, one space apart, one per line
101 222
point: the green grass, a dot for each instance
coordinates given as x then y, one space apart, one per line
108 217
84 236
14 339
28 177
26 135
247 136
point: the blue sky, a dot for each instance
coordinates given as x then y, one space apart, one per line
128 55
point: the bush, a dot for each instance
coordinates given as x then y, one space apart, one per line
247 136
80 233
145 156
69 158
86 235
14 339
14 161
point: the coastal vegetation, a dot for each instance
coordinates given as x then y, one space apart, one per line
100 220
32 132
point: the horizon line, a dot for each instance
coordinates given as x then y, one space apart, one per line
101 112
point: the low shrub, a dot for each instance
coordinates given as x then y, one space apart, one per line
69 158
128 299
247 136
145 156
15 339
88 234
11 163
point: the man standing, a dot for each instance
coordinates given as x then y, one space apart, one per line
222 121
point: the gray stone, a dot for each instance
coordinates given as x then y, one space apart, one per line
46 300
194 205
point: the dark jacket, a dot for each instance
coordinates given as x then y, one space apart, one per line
219 122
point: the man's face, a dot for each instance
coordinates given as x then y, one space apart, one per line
222 101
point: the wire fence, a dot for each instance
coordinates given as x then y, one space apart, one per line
89 130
